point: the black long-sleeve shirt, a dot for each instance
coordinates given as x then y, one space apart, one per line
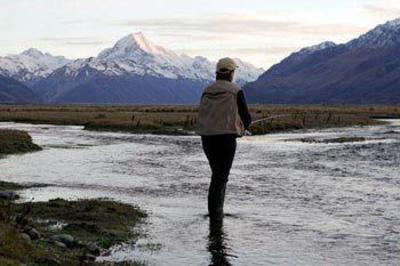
243 109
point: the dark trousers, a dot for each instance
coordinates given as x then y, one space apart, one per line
220 151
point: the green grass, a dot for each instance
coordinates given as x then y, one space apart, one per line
103 221
15 141
8 186
172 129
334 140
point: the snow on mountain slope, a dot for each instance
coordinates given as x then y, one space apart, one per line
245 73
365 70
136 45
139 69
135 54
318 47
30 65
383 35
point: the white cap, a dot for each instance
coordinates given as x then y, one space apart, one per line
226 65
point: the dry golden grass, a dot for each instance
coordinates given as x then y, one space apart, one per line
180 119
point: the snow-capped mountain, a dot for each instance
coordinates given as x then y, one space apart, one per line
318 47
131 72
298 60
133 64
135 54
383 35
30 65
365 70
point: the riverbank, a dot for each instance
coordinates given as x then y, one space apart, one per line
15 141
284 198
181 120
59 232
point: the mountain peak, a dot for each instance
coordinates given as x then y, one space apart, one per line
148 46
393 23
134 45
383 35
33 52
31 64
139 37
318 47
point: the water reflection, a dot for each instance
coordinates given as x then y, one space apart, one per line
217 245
305 204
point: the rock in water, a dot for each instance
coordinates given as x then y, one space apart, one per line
68 240
26 238
8 195
90 257
33 233
94 249
59 244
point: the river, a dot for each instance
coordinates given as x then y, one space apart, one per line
287 202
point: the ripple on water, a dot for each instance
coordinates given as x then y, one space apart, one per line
288 203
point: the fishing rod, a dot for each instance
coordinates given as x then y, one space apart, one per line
248 133
268 118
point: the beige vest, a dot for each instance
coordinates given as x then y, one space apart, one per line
218 110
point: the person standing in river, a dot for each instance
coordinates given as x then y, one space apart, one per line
223 116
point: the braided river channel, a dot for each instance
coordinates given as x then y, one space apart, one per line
294 198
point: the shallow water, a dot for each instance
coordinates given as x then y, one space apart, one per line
289 203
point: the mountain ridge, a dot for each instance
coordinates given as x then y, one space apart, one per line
30 65
12 91
365 70
135 63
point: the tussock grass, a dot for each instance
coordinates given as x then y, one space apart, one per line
180 120
15 141
101 221
7 186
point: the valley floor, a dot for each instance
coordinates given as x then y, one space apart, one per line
181 120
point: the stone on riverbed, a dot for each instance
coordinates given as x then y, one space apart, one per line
59 244
26 238
8 195
91 257
33 233
65 239
93 248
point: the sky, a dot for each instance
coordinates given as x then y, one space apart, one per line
261 32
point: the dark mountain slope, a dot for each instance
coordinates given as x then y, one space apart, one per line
363 71
12 91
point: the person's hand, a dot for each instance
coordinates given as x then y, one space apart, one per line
247 133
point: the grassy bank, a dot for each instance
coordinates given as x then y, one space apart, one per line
181 120
61 232
15 141
58 232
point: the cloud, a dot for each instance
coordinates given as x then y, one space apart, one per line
277 50
383 11
90 43
238 24
76 40
81 21
259 38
